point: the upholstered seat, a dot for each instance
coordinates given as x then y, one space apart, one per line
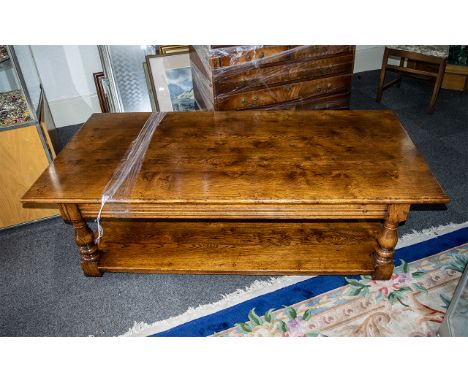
441 51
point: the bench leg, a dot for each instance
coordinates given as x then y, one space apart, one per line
380 87
84 238
437 85
387 240
402 65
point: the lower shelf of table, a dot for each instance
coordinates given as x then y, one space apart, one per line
232 247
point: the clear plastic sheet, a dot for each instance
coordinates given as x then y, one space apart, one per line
123 179
268 76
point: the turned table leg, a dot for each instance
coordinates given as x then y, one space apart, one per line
387 240
84 238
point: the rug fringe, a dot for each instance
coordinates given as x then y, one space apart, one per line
428 233
258 288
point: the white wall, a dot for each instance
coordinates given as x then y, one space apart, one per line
66 72
368 57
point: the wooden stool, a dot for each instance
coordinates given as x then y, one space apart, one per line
431 54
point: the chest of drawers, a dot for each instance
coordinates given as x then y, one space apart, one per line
272 77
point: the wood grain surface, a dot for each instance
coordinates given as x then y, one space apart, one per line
277 77
287 158
252 247
314 178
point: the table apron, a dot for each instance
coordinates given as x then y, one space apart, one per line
236 211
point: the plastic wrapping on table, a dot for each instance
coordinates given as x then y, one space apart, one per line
263 77
124 177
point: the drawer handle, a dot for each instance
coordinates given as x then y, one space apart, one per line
244 100
261 55
255 98
329 85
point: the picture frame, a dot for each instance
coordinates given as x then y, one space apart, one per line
171 83
172 49
101 89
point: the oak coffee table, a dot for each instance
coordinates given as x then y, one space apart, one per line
250 192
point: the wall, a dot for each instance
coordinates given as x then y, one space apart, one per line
368 57
66 72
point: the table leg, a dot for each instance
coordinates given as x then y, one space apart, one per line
387 240
84 238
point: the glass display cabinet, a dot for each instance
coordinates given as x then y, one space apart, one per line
28 137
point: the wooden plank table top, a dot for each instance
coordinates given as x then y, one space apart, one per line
247 157
323 180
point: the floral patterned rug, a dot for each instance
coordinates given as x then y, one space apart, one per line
412 303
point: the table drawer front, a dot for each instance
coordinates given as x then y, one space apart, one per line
284 93
245 80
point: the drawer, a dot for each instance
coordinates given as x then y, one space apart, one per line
334 101
243 55
340 101
237 55
284 93
238 80
320 51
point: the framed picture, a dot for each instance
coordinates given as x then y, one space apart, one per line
172 49
171 82
101 88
